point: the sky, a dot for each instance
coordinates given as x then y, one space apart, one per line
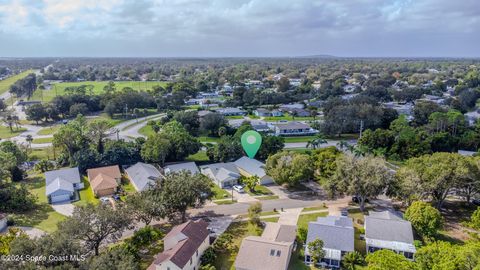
239 28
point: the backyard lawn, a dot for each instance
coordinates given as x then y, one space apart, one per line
358 221
238 230
200 156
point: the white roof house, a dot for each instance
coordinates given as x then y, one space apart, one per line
385 230
337 234
184 166
223 174
252 167
143 175
61 184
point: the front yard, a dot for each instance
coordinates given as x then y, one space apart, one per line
238 230
43 216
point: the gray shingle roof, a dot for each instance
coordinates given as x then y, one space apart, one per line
388 227
186 166
223 171
335 232
58 184
252 166
142 175
71 175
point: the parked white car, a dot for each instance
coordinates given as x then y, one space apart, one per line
104 199
238 188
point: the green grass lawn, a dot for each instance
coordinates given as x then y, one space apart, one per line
5 132
234 117
220 193
288 117
238 230
43 140
86 194
304 219
59 88
43 216
268 197
298 139
205 139
42 153
146 130
314 208
259 191
358 220
5 84
200 156
225 202
272 219
49 130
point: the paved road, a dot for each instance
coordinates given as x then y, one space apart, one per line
129 129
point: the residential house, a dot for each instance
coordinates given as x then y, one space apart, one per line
184 166
183 247
104 180
261 127
62 184
299 112
231 111
261 112
252 167
337 234
3 221
293 128
287 107
295 82
271 251
143 175
385 230
223 174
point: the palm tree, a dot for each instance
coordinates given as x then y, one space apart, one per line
343 144
317 141
29 139
351 259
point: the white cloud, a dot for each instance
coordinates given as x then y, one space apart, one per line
243 27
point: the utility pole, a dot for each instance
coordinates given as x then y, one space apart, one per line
126 110
361 128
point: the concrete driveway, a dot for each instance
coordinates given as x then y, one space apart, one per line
290 216
219 225
241 197
64 208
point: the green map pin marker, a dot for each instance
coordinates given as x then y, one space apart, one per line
251 141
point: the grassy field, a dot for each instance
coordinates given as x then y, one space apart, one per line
5 84
205 139
238 230
200 156
314 208
43 140
298 139
59 88
5 132
43 216
49 130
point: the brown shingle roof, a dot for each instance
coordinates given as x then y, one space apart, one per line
103 181
112 171
185 248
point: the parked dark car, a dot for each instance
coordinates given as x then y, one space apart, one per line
356 199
